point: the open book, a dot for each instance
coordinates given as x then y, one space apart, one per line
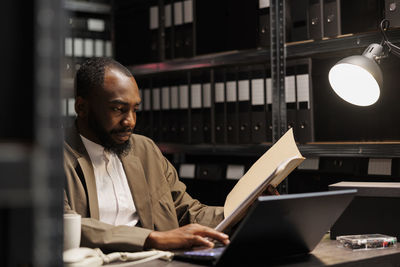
271 168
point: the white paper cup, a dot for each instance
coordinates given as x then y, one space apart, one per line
72 231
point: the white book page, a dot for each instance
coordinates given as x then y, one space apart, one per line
271 168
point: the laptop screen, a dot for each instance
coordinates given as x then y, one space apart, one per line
279 226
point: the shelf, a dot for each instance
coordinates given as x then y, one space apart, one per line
87 7
293 50
377 150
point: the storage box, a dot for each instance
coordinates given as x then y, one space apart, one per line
373 210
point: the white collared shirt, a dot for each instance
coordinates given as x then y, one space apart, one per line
116 205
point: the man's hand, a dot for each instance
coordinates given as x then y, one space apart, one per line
271 190
185 237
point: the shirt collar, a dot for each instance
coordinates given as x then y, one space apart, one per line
96 152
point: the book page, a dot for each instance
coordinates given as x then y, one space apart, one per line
271 168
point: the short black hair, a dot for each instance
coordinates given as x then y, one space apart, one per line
91 74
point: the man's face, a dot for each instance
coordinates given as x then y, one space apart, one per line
111 115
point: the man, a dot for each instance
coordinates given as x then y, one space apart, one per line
128 194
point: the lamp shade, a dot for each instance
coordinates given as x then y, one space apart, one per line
358 79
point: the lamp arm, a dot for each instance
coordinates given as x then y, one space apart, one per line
394 49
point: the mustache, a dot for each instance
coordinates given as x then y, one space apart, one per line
124 130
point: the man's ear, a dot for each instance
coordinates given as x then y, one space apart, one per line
81 107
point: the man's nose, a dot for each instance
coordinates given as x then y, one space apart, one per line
129 120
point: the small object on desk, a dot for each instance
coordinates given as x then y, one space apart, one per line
367 241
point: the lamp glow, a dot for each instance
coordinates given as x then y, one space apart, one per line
354 84
358 79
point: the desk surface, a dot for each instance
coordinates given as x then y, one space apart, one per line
327 253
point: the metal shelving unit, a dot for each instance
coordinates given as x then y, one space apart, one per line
382 150
306 48
88 7
310 48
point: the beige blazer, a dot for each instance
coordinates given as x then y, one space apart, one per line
160 198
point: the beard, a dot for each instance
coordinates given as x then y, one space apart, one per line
105 137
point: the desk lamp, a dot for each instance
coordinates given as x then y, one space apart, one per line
358 79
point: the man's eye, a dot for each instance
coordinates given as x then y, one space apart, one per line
117 109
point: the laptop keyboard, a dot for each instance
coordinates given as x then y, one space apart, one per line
209 254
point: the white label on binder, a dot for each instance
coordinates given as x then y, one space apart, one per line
147 99
219 92
234 172
96 25
88 47
165 97
380 167
174 97
196 95
231 91
309 164
178 16
244 90
269 90
263 3
71 107
187 170
168 15
290 87
303 88
156 98
64 107
207 95
108 49
68 47
183 96
78 47
99 48
188 9
257 92
153 17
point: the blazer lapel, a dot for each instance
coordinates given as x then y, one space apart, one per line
88 173
75 142
139 189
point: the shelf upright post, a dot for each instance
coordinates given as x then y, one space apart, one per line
212 84
161 30
278 73
278 68
46 162
189 110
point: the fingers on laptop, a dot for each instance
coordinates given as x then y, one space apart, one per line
210 234
271 190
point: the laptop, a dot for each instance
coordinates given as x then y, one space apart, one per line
277 227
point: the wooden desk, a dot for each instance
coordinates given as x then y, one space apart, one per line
327 253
